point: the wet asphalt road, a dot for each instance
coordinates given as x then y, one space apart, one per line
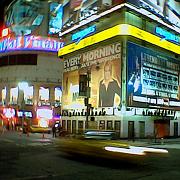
23 157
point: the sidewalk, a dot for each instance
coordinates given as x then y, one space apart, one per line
168 143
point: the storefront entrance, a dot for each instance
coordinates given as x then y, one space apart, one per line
131 134
161 128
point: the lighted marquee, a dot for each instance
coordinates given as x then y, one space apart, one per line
153 78
30 43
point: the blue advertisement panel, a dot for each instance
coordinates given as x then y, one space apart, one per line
55 17
152 78
166 10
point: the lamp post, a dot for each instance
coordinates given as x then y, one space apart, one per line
22 87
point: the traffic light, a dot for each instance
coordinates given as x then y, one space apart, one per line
83 83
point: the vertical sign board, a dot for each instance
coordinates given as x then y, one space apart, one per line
55 17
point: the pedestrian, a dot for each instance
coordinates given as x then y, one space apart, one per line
54 131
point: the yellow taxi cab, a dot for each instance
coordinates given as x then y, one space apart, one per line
103 144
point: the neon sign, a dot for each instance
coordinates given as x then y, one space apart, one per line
121 29
167 35
77 37
30 43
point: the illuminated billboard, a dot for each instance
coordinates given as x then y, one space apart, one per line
55 17
166 10
24 17
22 113
104 66
75 11
153 78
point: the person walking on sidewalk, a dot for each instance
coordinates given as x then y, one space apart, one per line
54 131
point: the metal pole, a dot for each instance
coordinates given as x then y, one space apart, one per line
87 113
23 122
87 98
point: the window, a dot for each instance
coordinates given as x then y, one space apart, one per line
20 59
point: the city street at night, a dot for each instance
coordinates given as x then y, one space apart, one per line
38 157
89 89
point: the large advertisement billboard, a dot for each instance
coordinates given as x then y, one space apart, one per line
104 67
24 17
166 10
153 78
75 11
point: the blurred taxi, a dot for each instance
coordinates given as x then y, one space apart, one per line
37 129
104 145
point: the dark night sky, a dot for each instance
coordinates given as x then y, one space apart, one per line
3 3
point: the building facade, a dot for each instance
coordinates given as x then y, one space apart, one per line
30 71
122 68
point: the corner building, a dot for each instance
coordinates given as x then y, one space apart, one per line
30 71
122 68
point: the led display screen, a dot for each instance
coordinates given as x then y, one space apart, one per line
104 69
22 113
153 78
55 17
24 17
166 10
75 11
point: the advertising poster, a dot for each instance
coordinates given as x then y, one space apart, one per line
103 66
55 17
153 78
166 10
76 11
23 17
